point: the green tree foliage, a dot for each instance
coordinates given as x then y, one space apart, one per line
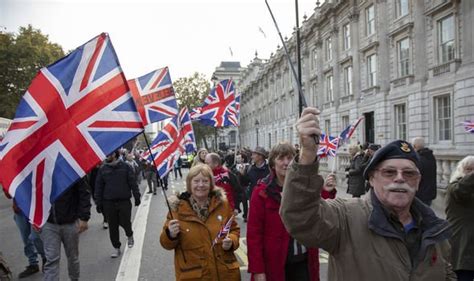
191 92
21 56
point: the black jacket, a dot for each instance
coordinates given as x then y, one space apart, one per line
115 182
428 184
255 174
73 204
355 179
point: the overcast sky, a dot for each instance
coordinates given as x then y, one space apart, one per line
186 35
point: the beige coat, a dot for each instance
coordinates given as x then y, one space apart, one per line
194 258
357 235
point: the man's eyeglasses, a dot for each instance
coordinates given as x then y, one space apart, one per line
392 173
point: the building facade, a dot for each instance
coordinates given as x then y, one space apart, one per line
406 66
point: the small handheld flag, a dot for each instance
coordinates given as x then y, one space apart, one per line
225 229
327 145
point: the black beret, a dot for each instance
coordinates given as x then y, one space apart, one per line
395 150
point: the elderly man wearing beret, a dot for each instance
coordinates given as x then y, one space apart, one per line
386 235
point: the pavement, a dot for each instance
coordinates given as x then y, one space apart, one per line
147 260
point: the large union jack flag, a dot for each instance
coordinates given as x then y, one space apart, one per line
468 126
176 138
154 95
219 108
327 145
75 112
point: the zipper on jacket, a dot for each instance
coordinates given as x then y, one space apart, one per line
213 254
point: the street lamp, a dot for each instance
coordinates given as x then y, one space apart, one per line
256 128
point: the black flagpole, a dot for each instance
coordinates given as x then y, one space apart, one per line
295 76
162 186
298 55
157 175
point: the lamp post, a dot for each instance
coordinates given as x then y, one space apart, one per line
256 128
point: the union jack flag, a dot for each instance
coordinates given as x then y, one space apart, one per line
225 229
219 108
75 112
176 138
154 96
347 133
468 126
327 145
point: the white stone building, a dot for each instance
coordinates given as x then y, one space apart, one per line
406 66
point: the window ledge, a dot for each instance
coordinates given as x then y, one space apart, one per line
402 81
346 99
328 104
372 91
450 66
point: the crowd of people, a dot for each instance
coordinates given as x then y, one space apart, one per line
387 231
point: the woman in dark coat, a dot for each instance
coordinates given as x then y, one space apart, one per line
273 254
460 214
355 178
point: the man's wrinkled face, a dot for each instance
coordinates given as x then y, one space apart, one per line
395 183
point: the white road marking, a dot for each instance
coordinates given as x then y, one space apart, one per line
130 265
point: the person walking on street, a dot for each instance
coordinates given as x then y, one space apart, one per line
460 214
224 178
151 178
258 170
355 178
192 230
388 235
273 254
177 168
115 185
200 157
67 219
428 185
32 243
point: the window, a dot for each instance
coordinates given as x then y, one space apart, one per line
370 20
328 49
346 32
403 57
442 106
314 92
400 122
348 81
327 126
345 122
446 46
402 8
314 58
372 70
329 88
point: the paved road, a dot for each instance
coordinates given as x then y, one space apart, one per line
146 261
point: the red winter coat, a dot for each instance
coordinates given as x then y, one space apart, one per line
268 240
222 179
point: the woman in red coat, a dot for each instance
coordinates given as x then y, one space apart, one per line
273 254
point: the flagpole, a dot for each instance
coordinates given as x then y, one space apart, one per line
292 67
157 175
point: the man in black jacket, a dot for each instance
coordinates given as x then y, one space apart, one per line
114 186
428 184
68 218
